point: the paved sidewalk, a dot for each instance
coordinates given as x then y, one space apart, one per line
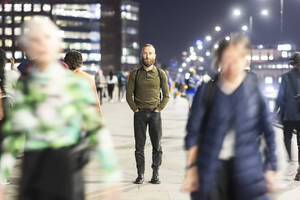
119 119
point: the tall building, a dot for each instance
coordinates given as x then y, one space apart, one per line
106 32
269 63
119 35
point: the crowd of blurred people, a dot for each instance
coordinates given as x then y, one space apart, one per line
63 127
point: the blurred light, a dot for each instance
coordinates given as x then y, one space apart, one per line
227 38
216 46
188 60
200 47
284 47
284 54
187 76
271 58
260 46
201 59
180 69
208 38
184 53
218 28
244 28
265 12
192 49
206 78
237 12
268 80
199 43
207 53
183 64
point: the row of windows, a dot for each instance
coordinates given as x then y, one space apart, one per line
273 66
129 8
87 57
25 7
271 80
93 25
130 31
94 36
129 59
92 11
129 16
82 46
8 31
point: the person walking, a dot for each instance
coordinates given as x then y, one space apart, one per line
100 84
122 83
288 106
56 124
111 80
143 95
74 61
227 118
192 84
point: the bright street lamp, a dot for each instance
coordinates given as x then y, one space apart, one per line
208 38
244 28
265 12
237 12
218 28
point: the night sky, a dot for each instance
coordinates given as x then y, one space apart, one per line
174 25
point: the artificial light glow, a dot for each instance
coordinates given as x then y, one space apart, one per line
183 64
244 28
265 12
218 28
208 38
180 69
227 38
207 53
237 12
216 46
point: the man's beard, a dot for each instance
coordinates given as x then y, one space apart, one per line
148 63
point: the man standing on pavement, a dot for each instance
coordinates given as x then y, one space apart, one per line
143 95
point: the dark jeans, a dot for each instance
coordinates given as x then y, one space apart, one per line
100 94
288 129
224 188
142 119
110 88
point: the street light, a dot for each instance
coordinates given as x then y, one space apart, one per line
207 53
218 28
244 28
208 38
227 38
237 12
265 12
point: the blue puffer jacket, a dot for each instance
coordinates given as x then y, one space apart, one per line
251 119
289 110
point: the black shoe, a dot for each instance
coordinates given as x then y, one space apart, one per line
139 179
297 177
155 178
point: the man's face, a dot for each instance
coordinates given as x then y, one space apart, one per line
42 45
148 56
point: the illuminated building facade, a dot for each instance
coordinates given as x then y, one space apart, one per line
269 63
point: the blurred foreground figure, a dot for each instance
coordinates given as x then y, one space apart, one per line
227 117
55 121
288 106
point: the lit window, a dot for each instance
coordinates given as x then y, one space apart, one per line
271 58
284 54
46 7
8 43
37 8
8 20
18 55
131 31
125 52
8 54
135 45
1 31
94 57
18 19
18 7
7 31
264 57
271 105
27 18
18 31
278 66
255 57
27 7
0 43
7 7
0 8
0 17
268 80
84 56
279 79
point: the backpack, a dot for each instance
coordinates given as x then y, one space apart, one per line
159 75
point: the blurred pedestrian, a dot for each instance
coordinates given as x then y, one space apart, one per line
74 61
227 118
143 95
288 106
111 80
54 114
122 83
192 83
100 84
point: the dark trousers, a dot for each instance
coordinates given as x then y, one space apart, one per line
100 94
224 188
110 88
288 129
143 119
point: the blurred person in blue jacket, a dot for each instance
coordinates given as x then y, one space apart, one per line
227 118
